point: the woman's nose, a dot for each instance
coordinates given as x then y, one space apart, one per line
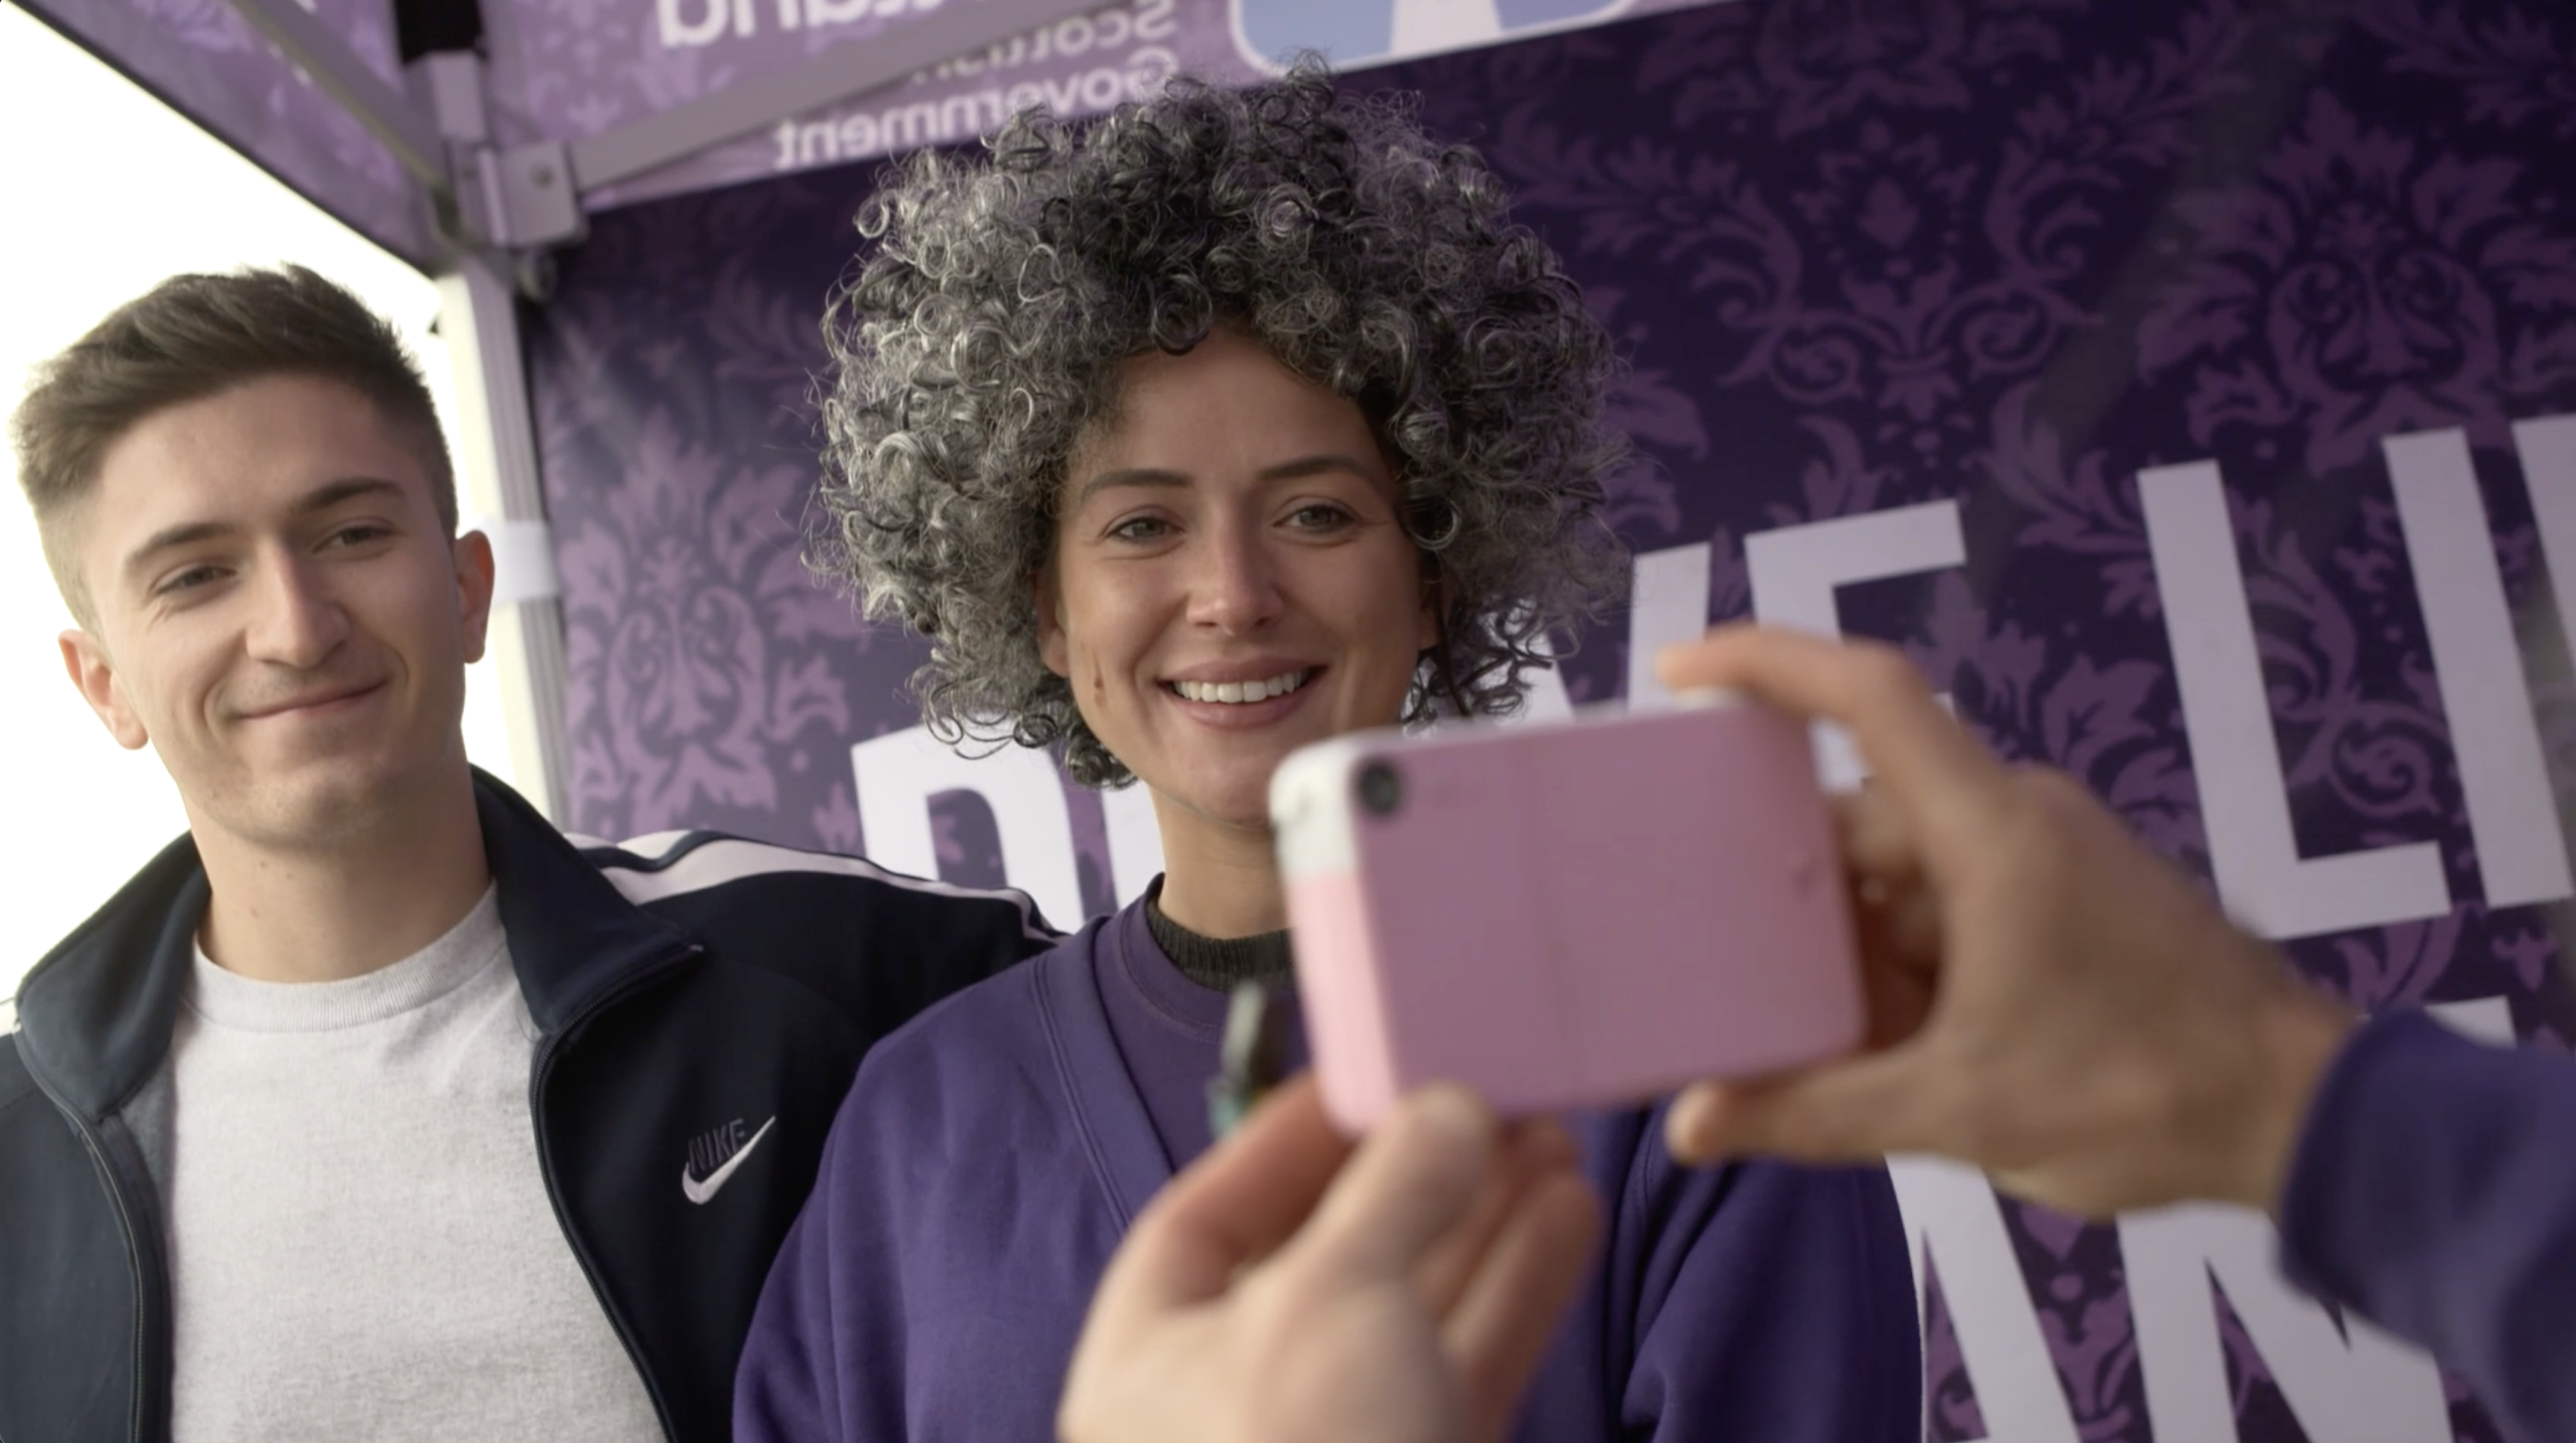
1236 586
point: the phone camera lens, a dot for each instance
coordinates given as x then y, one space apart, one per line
1381 790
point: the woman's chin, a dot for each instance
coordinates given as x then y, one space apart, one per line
1238 807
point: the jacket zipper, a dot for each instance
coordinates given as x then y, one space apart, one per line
133 1250
554 1044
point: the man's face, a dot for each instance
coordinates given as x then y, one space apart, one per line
277 609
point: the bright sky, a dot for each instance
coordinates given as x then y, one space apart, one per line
108 191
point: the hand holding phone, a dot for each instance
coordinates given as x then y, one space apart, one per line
1565 915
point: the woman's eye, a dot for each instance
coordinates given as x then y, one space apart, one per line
1319 517
1140 528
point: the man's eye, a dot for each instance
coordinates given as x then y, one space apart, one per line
190 579
360 534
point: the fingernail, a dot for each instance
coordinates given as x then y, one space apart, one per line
1447 1108
1683 1126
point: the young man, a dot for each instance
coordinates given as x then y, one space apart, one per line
373 1107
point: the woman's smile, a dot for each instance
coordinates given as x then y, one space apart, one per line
1216 697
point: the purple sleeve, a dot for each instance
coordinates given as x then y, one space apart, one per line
2434 1193
786 1384
933 1287
1782 1309
1757 1300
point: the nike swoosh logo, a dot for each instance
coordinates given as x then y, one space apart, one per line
699 1189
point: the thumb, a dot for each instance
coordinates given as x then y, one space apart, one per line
1411 1182
1857 1110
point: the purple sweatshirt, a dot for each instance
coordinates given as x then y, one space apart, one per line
2434 1193
990 1155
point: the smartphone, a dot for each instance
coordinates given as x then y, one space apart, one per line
1565 915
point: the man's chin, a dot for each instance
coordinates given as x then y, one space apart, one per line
325 802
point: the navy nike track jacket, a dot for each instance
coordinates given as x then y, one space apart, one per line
677 987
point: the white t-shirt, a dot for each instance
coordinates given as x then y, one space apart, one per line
360 1241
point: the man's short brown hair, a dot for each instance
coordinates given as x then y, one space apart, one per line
191 337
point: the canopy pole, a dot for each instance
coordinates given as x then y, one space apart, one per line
479 317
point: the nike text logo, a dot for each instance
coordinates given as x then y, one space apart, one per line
699 1189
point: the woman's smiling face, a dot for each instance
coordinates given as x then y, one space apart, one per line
1231 577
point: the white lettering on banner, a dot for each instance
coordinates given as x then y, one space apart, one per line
864 133
679 31
2548 448
1424 26
1667 602
1952 1217
2235 758
2513 813
2353 1385
1135 840
2356 1385
1545 700
2479 1019
1795 571
897 775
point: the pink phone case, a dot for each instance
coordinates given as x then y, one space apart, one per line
1565 915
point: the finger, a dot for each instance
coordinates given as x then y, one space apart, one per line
1411 1182
1514 1303
1233 1206
1911 744
1856 1110
1521 1154
1899 984
1875 842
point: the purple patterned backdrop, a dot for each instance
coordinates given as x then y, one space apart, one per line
1863 256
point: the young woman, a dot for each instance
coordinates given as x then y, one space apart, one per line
1230 423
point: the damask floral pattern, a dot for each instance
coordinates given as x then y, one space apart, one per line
2368 286
1860 254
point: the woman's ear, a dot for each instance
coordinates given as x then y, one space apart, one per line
1426 628
1051 641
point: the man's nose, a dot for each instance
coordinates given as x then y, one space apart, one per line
297 622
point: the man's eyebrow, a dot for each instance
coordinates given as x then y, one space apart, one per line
319 499
323 498
1303 466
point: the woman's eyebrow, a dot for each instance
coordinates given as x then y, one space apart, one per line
1129 476
1158 477
1314 465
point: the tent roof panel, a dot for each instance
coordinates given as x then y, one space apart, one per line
204 59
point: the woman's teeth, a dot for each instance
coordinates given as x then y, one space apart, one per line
1239 692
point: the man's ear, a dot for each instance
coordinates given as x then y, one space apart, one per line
1051 640
94 676
474 589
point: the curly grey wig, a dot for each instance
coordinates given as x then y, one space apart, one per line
985 329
